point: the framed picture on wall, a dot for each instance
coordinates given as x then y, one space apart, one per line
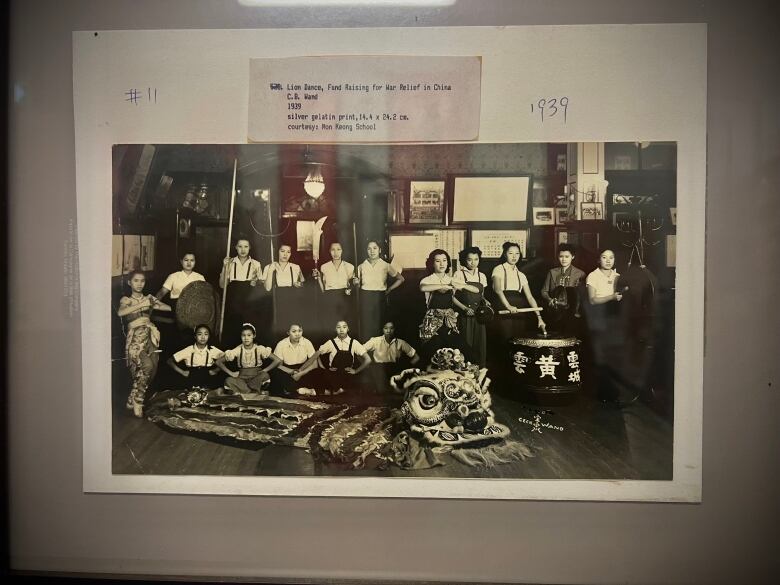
491 241
561 237
426 202
621 218
117 255
493 198
544 216
594 210
147 253
132 253
561 215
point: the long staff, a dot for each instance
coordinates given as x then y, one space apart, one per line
359 273
227 253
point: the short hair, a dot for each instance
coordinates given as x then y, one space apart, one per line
244 238
285 246
432 257
295 325
342 321
505 248
202 326
568 248
374 241
249 327
186 253
463 255
135 271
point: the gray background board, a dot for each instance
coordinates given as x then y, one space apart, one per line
730 537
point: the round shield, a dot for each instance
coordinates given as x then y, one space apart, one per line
197 305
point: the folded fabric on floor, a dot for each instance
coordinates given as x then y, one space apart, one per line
445 416
262 419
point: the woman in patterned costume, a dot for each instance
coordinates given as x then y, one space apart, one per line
143 339
439 327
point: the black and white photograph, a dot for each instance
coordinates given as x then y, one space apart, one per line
295 329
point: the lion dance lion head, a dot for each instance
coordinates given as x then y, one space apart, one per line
449 403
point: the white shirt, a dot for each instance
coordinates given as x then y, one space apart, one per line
293 354
337 278
178 280
374 277
602 284
357 347
249 270
194 356
441 280
465 275
515 280
287 276
248 358
388 353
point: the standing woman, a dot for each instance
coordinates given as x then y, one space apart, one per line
143 339
468 302
239 276
174 285
335 281
439 327
285 279
511 288
176 281
560 292
603 323
372 279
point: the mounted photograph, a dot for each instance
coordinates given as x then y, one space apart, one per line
271 316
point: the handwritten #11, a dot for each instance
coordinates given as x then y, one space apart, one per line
134 96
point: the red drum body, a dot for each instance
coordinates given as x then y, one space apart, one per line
546 365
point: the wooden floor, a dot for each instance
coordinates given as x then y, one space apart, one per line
597 442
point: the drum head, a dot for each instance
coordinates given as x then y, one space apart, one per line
197 305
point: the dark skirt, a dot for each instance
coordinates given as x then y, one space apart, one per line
373 312
475 337
289 307
238 310
519 324
335 306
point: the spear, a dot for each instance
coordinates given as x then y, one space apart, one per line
227 253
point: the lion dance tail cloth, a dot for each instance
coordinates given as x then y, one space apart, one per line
446 412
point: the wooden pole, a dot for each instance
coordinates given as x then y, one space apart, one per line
227 253
359 275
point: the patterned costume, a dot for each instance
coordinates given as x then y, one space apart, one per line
439 327
143 339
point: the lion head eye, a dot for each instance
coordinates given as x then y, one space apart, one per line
428 400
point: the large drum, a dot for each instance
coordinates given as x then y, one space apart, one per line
546 364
